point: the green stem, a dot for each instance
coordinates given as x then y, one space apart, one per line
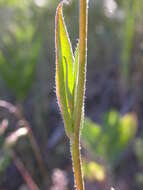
75 150
79 108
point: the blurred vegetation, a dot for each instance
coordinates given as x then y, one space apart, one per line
112 140
128 39
108 143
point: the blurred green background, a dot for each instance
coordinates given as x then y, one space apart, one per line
34 151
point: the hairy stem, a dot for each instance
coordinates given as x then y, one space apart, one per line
76 159
79 112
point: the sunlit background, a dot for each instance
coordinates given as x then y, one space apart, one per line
34 150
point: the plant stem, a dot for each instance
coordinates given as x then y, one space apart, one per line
82 65
76 159
25 174
79 108
17 112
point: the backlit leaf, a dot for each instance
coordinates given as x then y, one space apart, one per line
64 69
76 55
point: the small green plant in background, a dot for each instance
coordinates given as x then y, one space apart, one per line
18 60
111 139
70 83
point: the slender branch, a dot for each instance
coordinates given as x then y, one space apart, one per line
17 113
79 109
76 160
82 64
26 176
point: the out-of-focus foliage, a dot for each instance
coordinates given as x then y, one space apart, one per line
94 171
17 71
5 160
111 139
5 156
7 143
130 8
138 149
18 52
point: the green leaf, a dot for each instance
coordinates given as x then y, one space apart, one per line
116 132
18 72
69 95
65 47
64 70
91 132
76 65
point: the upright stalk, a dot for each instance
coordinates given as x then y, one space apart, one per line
76 160
79 109
70 83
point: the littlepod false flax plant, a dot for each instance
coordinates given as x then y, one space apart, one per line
70 82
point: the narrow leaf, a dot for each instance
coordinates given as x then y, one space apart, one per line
66 49
64 69
76 68
76 72
69 95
